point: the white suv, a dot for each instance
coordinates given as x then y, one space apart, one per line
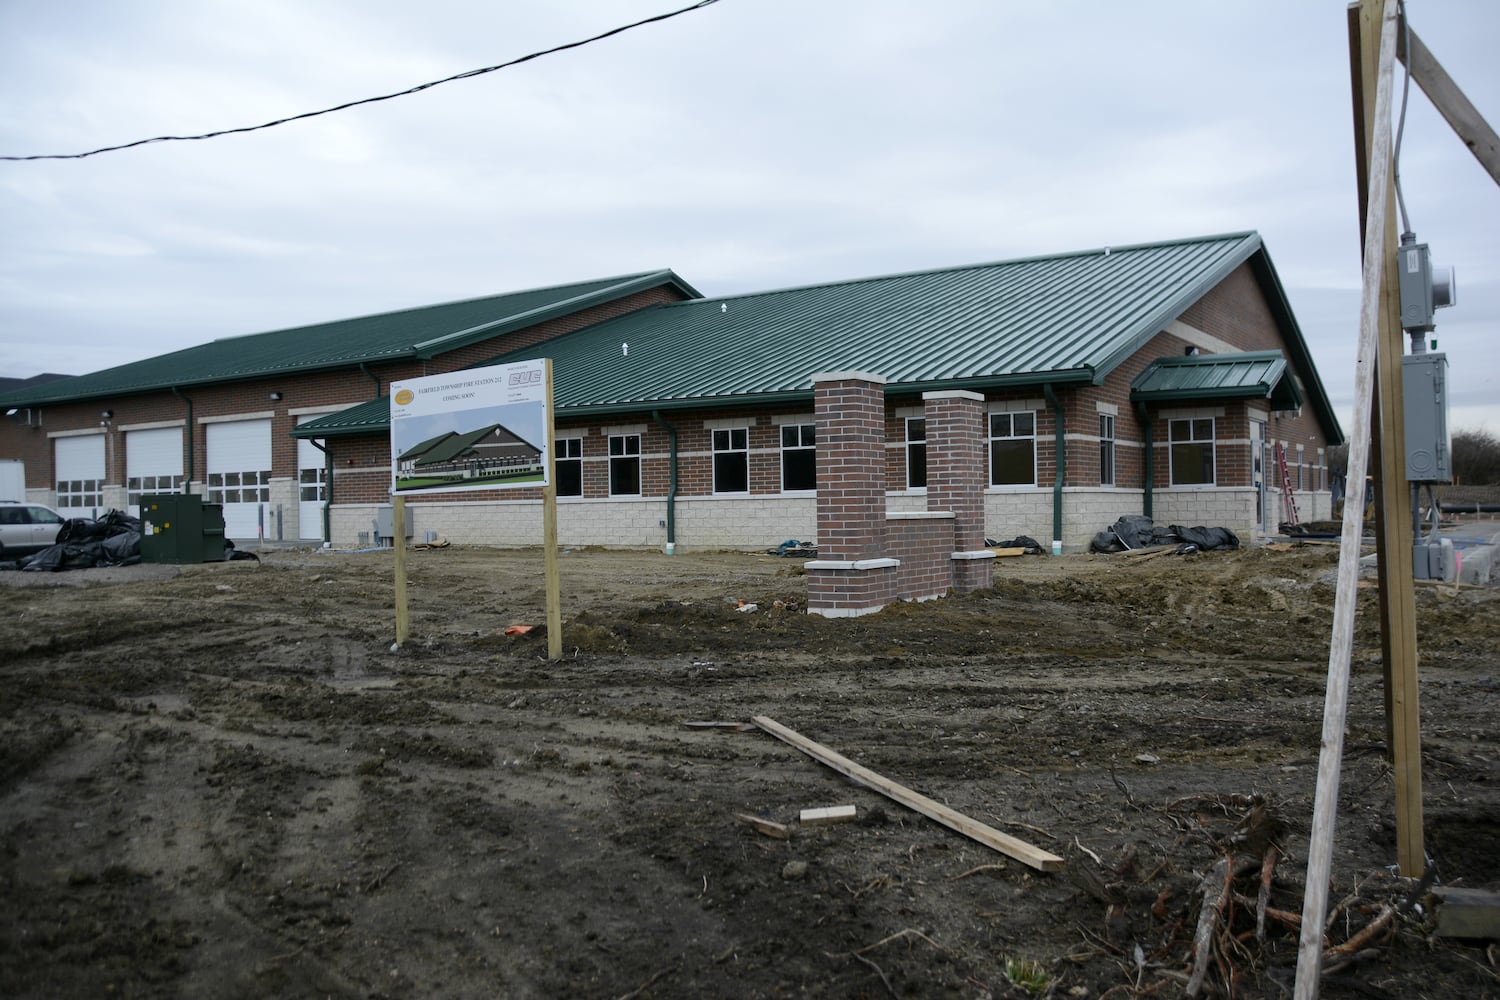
27 527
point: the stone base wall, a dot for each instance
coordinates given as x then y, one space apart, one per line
1230 507
703 523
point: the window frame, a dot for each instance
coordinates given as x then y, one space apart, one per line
1193 443
729 449
567 451
1009 417
622 458
1107 449
916 453
803 448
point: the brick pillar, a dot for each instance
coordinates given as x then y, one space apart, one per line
850 409
956 477
852 575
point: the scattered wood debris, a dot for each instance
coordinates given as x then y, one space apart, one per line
1468 913
762 825
1176 933
827 814
951 818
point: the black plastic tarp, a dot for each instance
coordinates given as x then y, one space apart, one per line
83 543
1136 531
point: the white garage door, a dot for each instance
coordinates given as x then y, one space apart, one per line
153 463
80 475
239 475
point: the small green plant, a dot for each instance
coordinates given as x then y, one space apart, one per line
1029 975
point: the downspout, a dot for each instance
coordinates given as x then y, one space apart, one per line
1145 419
1060 453
373 377
187 482
328 489
671 481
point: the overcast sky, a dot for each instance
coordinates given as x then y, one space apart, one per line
753 144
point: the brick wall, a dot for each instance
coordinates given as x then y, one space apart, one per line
868 557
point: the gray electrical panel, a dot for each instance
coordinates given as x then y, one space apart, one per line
1424 388
385 525
1414 269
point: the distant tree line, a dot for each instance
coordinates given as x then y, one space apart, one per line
1476 458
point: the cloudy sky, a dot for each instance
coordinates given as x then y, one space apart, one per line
749 145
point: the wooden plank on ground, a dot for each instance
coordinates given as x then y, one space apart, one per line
1011 847
827 814
1009 551
765 826
1467 913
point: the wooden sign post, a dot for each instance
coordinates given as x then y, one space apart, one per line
403 622
549 535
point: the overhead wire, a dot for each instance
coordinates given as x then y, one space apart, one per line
655 18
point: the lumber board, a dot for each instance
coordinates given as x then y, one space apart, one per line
1011 847
768 827
1372 54
827 814
1467 913
1455 107
1009 551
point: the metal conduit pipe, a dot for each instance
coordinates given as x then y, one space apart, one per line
671 480
187 481
1145 419
1060 453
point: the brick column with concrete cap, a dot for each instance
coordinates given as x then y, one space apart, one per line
956 477
851 575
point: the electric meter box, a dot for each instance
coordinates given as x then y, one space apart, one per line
181 528
1424 390
1414 281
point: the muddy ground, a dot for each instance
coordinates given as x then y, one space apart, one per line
220 780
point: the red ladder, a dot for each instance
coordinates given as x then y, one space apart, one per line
1288 499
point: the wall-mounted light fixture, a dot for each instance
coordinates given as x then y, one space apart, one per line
275 397
107 414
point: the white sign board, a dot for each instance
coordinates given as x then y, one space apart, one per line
475 429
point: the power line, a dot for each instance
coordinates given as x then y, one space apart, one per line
371 100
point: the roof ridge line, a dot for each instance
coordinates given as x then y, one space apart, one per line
1240 235
616 279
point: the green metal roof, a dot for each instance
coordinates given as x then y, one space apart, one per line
1249 375
1069 318
406 334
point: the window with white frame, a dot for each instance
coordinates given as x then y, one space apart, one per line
732 460
1300 466
916 453
1013 448
80 493
1191 441
624 465
1106 449
139 486
247 486
799 470
567 466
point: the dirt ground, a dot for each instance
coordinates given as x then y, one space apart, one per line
221 781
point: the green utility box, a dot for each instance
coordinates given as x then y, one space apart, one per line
181 528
